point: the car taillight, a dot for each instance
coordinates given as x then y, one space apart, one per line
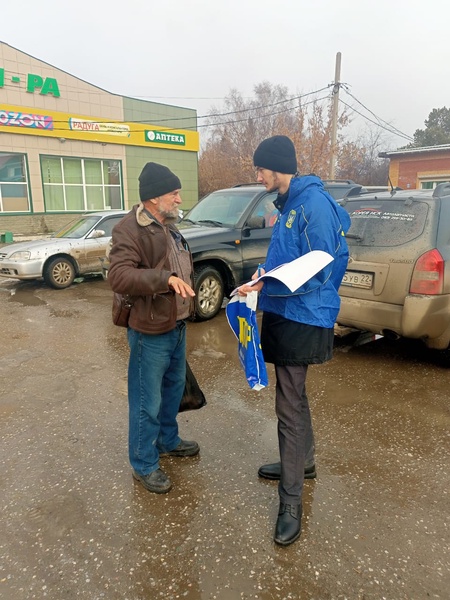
428 274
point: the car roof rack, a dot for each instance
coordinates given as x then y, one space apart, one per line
349 181
442 189
354 191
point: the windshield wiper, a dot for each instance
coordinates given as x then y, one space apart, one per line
216 223
188 221
354 236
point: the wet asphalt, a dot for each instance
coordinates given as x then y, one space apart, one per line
76 525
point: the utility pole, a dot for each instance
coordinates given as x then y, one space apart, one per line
334 116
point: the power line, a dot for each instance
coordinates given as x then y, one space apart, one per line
212 115
149 98
378 124
205 125
154 121
264 116
234 112
391 128
226 114
372 113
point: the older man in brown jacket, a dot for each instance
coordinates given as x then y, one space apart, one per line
150 261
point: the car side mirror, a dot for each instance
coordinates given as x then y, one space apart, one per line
256 222
97 233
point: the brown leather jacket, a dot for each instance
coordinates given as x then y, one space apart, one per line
139 266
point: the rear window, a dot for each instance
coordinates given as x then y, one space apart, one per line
385 223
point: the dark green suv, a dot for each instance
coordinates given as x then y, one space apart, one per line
228 233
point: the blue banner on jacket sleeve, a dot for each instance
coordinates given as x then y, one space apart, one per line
241 315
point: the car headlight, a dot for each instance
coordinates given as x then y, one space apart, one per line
21 255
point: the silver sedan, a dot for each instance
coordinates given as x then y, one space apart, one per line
75 250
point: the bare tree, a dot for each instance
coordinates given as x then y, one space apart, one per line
234 133
360 161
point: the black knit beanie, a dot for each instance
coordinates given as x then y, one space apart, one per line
276 153
156 180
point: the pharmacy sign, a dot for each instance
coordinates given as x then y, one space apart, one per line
165 137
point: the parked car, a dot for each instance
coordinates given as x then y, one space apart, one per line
73 251
228 233
397 282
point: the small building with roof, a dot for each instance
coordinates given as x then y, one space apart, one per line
419 168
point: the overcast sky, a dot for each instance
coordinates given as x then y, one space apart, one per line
395 53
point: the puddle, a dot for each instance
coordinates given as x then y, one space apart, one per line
25 298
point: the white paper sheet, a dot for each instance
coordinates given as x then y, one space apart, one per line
298 271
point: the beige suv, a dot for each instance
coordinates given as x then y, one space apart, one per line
397 283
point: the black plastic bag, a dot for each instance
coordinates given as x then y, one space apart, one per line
193 397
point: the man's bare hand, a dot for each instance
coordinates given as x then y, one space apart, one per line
257 287
180 287
246 289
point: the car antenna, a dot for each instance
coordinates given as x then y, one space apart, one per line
392 185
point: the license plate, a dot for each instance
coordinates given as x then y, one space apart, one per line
356 279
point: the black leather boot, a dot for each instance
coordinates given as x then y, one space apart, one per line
288 527
273 471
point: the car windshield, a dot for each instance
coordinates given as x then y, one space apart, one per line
223 208
385 223
76 229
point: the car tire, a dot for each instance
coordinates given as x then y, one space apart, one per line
209 292
59 273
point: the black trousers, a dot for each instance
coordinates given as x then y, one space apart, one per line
295 432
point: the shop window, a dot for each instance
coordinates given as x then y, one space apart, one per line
72 170
81 184
14 191
430 185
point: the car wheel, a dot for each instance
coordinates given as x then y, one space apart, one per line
209 292
59 273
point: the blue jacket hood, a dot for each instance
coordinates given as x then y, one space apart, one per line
312 183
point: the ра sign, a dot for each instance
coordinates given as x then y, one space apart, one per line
46 87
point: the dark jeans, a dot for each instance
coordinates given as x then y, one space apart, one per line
295 432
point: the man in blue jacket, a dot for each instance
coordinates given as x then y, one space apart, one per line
297 328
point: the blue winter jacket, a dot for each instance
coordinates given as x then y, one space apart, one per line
310 220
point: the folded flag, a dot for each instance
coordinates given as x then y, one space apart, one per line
241 315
